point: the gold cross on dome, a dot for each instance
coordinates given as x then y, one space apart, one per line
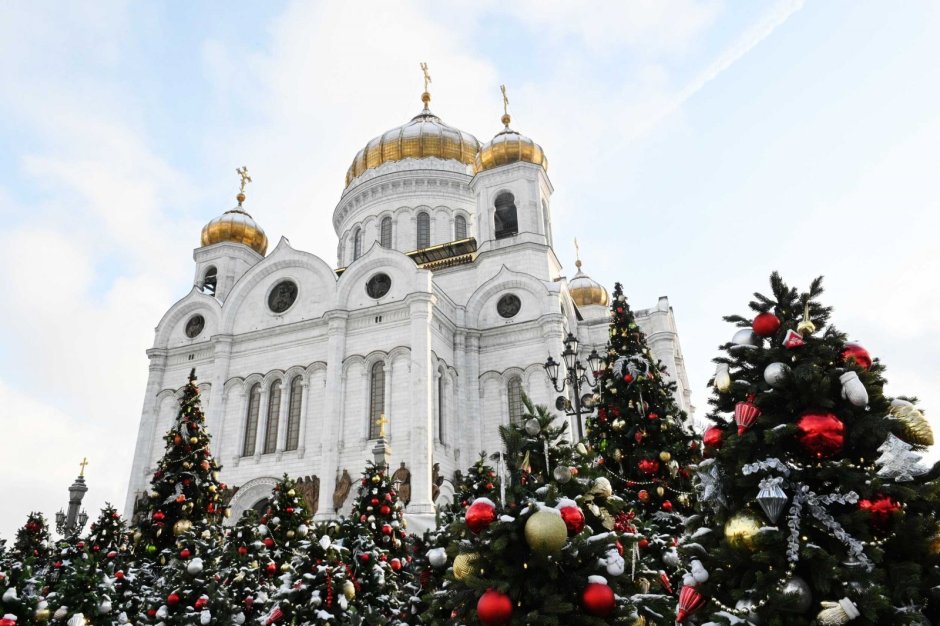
243 172
505 100
83 464
382 421
427 75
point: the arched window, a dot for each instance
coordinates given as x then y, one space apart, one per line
261 506
293 413
460 228
440 408
357 244
251 420
507 223
424 230
516 408
376 398
385 233
209 280
274 409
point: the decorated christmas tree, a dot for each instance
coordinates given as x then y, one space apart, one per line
285 522
24 568
811 487
249 575
548 552
318 587
180 532
78 593
644 445
480 481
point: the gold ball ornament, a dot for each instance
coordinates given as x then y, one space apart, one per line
42 614
741 530
194 440
660 492
665 457
376 478
545 532
465 564
349 589
292 493
285 567
181 527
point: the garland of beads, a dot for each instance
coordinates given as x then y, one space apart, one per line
631 482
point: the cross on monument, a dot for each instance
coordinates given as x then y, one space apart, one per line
427 75
243 172
83 464
382 421
502 88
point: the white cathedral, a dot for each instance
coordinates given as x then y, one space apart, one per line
447 300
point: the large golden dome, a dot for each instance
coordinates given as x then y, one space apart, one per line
585 292
236 226
509 147
423 137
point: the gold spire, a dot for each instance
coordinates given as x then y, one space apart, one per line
243 173
585 291
577 254
426 96
83 464
505 119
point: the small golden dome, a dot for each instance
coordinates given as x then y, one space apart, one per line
238 227
586 292
425 136
509 147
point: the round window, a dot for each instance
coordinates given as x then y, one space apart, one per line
378 285
282 296
195 325
508 305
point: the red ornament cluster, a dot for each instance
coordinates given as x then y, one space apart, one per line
821 434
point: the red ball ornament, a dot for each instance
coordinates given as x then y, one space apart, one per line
480 515
395 564
643 495
573 519
712 437
598 599
268 542
853 352
494 608
881 509
643 543
201 602
173 599
667 505
627 378
119 574
185 553
158 515
375 502
289 510
648 466
270 568
364 557
386 529
385 510
765 324
821 434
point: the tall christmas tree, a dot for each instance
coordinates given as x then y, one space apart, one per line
180 531
547 551
285 522
644 445
810 487
24 568
248 574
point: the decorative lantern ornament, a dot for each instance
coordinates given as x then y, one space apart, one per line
494 608
690 601
598 598
745 414
712 437
821 434
766 324
775 374
741 529
480 515
545 532
854 353
772 498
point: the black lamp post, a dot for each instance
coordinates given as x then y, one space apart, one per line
574 376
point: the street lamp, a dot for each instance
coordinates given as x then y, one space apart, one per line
574 376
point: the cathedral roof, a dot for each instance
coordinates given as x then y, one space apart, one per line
236 225
509 146
425 136
585 291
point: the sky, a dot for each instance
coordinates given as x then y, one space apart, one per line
695 146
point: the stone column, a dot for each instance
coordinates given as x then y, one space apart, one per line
422 446
472 428
329 460
262 420
283 417
387 397
215 418
302 433
240 423
457 438
140 469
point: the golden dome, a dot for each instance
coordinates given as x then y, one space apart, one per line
238 227
423 137
586 292
509 147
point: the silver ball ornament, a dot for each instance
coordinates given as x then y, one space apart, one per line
532 427
745 339
561 474
796 596
776 373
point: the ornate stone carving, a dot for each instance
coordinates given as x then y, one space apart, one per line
402 481
309 488
341 492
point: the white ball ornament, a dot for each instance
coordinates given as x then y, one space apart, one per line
302 530
776 373
194 567
437 557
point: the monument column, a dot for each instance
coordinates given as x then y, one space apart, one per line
329 460
421 431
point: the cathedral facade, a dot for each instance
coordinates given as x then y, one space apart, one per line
447 300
